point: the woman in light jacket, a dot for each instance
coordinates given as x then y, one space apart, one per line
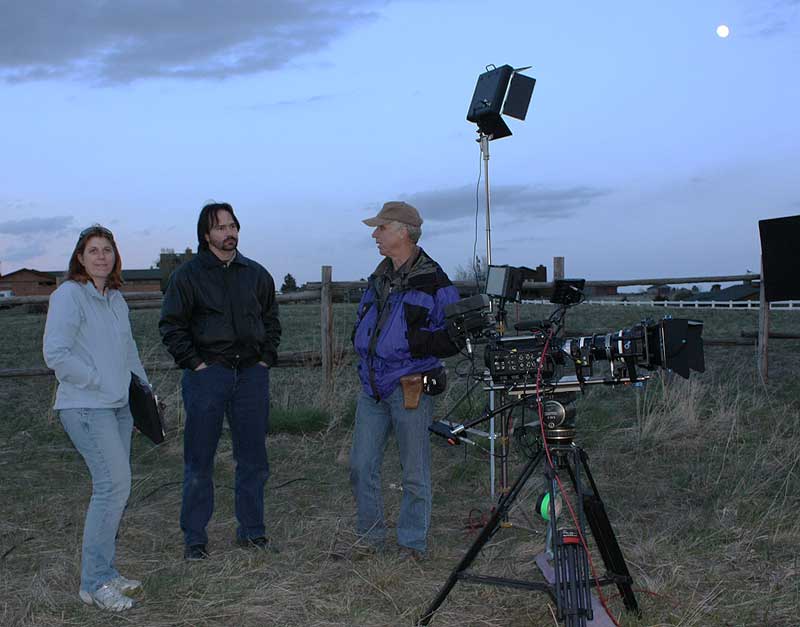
89 345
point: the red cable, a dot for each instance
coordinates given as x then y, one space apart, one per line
540 408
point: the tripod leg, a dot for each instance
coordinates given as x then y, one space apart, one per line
485 535
572 579
606 540
570 564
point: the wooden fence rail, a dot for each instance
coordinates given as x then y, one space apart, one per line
298 359
313 291
685 304
326 290
325 357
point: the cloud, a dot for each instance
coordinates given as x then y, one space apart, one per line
525 239
36 226
514 201
19 205
28 251
288 103
770 19
126 40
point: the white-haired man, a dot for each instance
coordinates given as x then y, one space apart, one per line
399 337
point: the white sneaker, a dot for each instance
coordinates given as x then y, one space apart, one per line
107 597
124 585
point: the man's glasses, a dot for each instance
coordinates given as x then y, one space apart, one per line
96 229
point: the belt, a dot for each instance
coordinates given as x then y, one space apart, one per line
234 363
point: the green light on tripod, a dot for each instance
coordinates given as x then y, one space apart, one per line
543 506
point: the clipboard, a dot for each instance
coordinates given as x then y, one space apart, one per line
144 408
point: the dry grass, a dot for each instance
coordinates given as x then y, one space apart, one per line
700 479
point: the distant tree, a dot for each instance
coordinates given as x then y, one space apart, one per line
289 284
695 289
474 270
683 294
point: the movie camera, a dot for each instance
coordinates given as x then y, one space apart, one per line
541 370
671 343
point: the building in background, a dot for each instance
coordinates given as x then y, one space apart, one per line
168 263
749 290
29 282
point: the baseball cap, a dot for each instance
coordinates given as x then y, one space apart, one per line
395 211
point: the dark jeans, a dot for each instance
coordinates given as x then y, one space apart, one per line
208 395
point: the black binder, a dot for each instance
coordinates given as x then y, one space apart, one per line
145 411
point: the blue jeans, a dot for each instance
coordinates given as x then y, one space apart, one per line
209 394
374 423
103 438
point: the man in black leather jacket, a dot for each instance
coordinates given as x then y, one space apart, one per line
219 320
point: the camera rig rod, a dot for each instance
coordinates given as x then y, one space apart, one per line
570 384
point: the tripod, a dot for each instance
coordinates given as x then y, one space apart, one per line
571 587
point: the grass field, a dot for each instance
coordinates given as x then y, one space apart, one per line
700 479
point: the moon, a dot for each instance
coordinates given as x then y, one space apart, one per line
723 31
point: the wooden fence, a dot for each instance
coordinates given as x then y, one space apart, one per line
324 358
687 304
326 291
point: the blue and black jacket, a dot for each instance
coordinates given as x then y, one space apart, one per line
400 325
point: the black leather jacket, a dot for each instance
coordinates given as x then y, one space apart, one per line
213 312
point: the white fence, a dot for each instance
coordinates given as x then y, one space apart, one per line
687 304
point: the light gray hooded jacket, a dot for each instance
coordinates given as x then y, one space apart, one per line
89 345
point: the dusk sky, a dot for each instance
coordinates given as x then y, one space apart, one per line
652 145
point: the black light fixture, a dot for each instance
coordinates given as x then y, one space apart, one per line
500 90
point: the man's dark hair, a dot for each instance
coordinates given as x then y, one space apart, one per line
209 217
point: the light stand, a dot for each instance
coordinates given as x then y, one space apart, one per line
484 143
493 95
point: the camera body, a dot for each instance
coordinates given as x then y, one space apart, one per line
542 354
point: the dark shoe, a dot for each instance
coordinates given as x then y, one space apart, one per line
406 553
260 543
195 552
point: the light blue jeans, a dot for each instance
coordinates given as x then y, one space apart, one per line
103 438
374 423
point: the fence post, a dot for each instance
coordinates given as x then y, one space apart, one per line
763 330
558 268
326 330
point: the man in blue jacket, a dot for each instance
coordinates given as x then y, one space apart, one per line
399 337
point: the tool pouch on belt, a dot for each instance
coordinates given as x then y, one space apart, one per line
412 390
434 381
